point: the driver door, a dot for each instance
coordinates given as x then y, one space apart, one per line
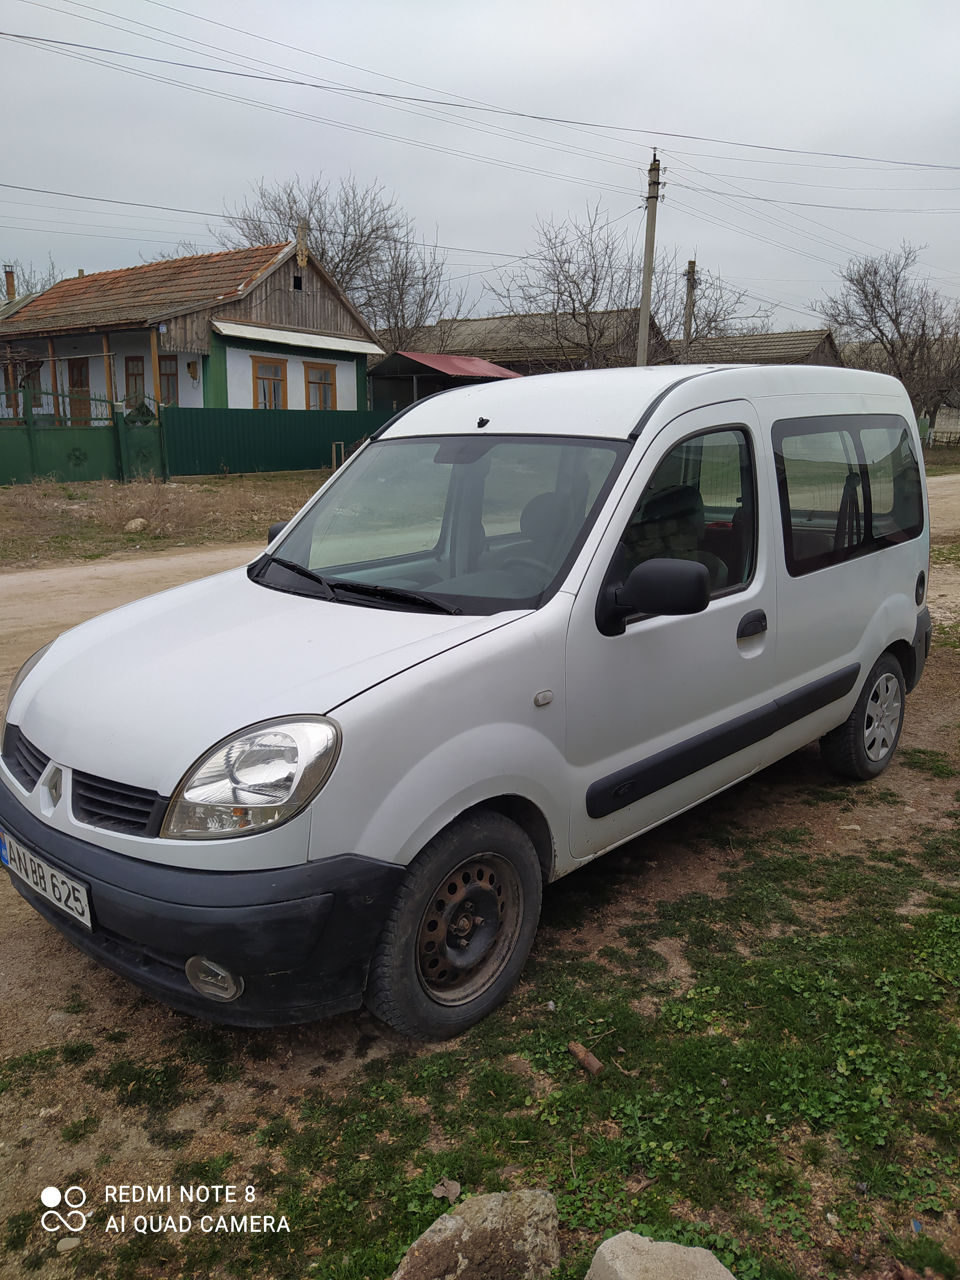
672 709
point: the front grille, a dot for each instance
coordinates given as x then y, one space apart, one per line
116 806
25 761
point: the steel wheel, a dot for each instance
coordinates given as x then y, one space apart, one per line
469 929
881 723
460 929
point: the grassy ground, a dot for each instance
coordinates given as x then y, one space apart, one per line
942 461
780 1071
46 520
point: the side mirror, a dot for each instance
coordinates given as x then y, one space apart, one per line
276 529
665 587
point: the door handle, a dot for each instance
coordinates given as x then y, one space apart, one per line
752 624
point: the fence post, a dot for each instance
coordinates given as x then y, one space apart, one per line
164 466
120 436
27 402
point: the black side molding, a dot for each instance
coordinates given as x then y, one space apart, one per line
626 786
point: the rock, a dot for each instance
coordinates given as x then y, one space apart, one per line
135 526
632 1257
490 1237
67 1243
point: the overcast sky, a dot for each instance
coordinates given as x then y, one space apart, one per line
874 82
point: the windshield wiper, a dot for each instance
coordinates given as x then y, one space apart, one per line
399 594
303 572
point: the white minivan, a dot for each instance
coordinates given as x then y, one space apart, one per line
527 621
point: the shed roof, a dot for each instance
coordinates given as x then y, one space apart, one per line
145 294
794 347
405 362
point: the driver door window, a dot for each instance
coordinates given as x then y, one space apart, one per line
698 505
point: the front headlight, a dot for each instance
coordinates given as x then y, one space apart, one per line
18 680
253 780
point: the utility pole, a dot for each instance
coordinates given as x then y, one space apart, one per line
653 195
690 275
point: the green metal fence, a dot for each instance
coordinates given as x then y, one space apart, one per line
203 442
73 436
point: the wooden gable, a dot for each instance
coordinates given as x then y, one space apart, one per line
317 306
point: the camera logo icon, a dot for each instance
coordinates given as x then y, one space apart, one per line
72 1200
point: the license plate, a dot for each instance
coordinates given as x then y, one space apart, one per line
66 894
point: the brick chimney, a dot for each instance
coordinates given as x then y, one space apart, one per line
10 282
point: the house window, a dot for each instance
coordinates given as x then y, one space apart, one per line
321 385
269 383
135 390
169 380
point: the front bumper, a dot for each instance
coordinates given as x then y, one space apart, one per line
301 937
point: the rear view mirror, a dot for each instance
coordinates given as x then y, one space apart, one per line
663 587
276 529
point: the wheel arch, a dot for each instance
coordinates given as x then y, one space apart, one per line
529 818
905 654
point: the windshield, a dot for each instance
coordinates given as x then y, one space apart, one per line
472 524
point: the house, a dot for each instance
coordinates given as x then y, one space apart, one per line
262 327
800 346
549 342
407 376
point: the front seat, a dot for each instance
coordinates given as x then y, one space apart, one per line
543 522
672 525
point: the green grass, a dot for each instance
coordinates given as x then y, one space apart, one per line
807 1052
80 1129
157 1086
934 763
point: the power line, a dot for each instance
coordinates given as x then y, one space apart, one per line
457 152
504 111
349 91
807 204
226 217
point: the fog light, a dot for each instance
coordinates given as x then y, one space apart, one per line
212 979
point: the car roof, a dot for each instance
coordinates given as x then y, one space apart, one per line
614 403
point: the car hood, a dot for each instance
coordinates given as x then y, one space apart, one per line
137 694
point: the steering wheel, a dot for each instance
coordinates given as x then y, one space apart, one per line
530 562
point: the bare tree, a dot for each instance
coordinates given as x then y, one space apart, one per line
182 249
29 278
578 293
409 293
893 321
362 237
719 308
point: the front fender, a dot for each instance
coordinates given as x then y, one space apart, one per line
482 763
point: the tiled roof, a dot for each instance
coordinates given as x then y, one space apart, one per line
138 295
521 337
795 347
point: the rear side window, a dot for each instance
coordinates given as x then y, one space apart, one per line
848 485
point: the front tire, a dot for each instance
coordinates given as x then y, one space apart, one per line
863 745
460 930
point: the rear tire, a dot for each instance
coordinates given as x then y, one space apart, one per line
460 930
863 745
